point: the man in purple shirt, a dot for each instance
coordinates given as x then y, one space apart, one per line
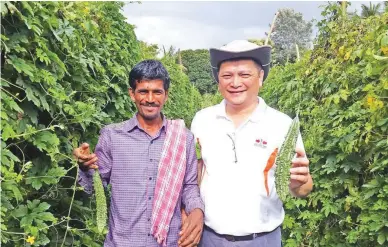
128 155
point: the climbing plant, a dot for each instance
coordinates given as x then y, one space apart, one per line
341 89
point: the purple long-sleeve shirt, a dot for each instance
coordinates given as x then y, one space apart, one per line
128 159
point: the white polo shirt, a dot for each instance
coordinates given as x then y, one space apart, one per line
234 193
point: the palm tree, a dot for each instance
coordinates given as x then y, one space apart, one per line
373 9
171 52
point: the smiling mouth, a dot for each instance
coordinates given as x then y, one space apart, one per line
236 92
149 108
149 105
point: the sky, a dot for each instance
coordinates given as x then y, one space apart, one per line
204 24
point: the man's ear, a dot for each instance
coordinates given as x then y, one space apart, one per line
261 78
166 96
131 93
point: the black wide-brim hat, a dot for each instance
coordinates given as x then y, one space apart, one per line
241 49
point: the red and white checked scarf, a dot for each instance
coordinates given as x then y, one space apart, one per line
171 172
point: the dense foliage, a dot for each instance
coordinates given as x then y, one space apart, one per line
198 68
64 75
341 89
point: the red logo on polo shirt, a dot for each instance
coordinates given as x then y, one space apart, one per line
261 143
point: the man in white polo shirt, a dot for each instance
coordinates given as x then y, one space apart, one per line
239 138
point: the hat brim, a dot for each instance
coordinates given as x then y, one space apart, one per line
262 55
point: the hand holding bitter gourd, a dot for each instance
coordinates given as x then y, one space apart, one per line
101 207
284 159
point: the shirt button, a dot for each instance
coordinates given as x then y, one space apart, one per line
151 159
149 178
152 141
149 219
149 198
149 234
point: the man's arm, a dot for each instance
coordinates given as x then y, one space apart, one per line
102 158
193 224
190 195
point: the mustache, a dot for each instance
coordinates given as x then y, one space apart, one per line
150 104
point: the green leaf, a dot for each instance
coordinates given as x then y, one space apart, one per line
12 186
57 172
26 221
42 207
4 115
13 105
381 238
43 240
56 35
33 204
20 211
45 140
369 194
20 65
8 153
380 58
42 56
34 230
36 183
27 6
46 216
7 132
31 96
45 105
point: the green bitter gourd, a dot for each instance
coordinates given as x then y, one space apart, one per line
101 207
284 158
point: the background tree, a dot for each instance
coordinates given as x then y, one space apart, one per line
148 51
170 52
261 42
372 9
290 29
198 69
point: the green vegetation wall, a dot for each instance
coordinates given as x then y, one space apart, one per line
184 100
341 89
198 68
64 75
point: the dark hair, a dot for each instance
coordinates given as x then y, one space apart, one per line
149 70
257 63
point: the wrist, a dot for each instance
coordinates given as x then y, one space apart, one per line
198 211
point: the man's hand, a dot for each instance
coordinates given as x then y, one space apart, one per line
300 181
192 227
85 159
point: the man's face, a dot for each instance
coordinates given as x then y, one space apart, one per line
240 82
149 97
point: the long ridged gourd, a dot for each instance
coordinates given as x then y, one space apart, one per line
284 158
101 207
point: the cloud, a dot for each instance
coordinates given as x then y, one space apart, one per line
201 25
188 34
